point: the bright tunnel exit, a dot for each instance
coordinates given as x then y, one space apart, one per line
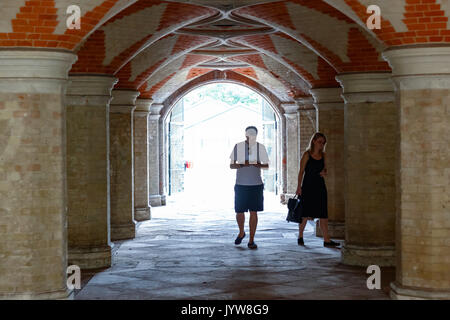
203 128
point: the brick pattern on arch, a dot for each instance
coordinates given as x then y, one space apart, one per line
42 23
116 42
295 55
156 56
404 22
338 39
275 74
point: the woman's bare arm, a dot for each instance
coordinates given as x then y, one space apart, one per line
302 171
324 172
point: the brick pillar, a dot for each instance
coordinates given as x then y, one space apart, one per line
292 129
87 107
154 155
422 79
370 142
123 225
330 106
33 192
142 209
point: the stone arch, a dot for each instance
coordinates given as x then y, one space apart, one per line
217 76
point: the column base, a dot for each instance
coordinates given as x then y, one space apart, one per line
336 229
156 200
383 256
142 214
91 257
64 294
399 292
123 232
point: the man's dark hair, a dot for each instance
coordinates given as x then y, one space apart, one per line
252 127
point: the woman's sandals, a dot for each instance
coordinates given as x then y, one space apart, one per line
331 244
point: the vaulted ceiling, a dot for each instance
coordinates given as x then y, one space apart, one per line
285 47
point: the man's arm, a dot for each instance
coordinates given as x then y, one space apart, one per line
235 165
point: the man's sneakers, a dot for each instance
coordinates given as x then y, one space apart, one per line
239 239
252 245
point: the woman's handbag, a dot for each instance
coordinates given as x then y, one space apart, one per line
295 210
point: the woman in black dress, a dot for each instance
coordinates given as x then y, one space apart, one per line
312 189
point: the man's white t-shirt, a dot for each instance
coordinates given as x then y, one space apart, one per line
242 151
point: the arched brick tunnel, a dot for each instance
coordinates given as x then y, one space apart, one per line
80 114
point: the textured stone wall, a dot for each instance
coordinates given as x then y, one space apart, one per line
307 128
292 150
33 244
423 221
121 175
331 124
141 173
370 161
88 182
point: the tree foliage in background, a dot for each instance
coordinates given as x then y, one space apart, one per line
229 93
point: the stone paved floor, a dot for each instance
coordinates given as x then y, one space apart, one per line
187 251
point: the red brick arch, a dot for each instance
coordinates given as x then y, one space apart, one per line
362 53
426 22
35 23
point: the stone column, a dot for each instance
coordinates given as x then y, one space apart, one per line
330 106
153 160
292 148
88 218
33 192
422 79
307 122
370 142
123 225
142 209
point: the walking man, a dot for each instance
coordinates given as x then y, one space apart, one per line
248 157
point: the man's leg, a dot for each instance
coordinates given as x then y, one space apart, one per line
240 218
253 224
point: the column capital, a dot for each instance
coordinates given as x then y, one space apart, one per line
290 108
84 90
143 105
367 87
124 97
123 101
327 95
54 64
155 111
95 85
38 70
420 67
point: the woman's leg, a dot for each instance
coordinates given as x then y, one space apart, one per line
324 228
240 218
301 227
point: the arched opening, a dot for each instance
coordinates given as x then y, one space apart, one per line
200 130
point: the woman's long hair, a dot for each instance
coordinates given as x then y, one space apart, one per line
314 137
